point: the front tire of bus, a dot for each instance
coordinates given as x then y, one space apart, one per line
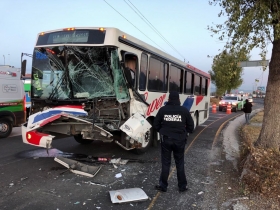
79 139
149 138
6 127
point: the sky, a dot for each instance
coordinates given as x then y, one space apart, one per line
183 23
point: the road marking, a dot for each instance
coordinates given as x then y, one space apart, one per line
220 128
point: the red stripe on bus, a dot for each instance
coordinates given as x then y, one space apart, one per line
34 137
198 99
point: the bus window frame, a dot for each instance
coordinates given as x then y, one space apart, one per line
166 64
146 71
126 54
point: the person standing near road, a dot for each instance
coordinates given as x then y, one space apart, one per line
174 123
247 109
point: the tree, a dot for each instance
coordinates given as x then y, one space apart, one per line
225 73
251 24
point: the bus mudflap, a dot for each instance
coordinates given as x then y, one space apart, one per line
136 127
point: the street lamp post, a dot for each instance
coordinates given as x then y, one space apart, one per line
4 59
9 59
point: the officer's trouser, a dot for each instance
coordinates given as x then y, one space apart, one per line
178 147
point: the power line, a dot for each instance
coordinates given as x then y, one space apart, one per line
151 26
133 24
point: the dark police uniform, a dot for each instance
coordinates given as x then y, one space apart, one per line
173 122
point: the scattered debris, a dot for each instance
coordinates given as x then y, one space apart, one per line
24 178
205 183
118 175
77 202
128 195
77 167
96 183
113 183
118 161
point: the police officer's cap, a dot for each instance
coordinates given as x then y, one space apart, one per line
173 96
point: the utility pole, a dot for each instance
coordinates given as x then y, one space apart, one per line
4 59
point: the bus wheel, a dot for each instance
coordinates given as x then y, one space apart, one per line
149 138
79 139
5 128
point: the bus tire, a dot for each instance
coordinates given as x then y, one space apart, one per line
149 138
6 127
79 139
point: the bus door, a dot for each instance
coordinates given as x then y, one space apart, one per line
130 62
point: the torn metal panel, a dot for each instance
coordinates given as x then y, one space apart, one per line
128 195
136 127
77 167
38 120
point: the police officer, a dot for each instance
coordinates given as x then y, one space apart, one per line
173 122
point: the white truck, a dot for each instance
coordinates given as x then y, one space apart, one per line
12 100
235 100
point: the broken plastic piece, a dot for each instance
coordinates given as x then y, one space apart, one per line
118 161
119 175
127 195
77 167
136 127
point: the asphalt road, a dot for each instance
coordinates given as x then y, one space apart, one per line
31 179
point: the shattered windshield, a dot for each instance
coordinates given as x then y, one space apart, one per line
73 72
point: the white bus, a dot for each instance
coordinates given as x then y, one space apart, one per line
103 84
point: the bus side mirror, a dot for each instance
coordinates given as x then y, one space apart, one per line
23 68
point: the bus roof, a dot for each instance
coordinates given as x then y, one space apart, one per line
114 37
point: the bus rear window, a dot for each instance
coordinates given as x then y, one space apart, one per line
73 37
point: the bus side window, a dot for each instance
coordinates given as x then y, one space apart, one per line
188 83
204 87
175 79
197 85
157 75
143 72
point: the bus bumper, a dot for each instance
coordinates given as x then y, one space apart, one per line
36 138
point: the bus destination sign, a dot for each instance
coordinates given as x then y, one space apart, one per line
68 37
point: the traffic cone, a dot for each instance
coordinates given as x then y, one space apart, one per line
228 109
214 108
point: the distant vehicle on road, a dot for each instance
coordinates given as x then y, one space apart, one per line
250 99
236 102
12 100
